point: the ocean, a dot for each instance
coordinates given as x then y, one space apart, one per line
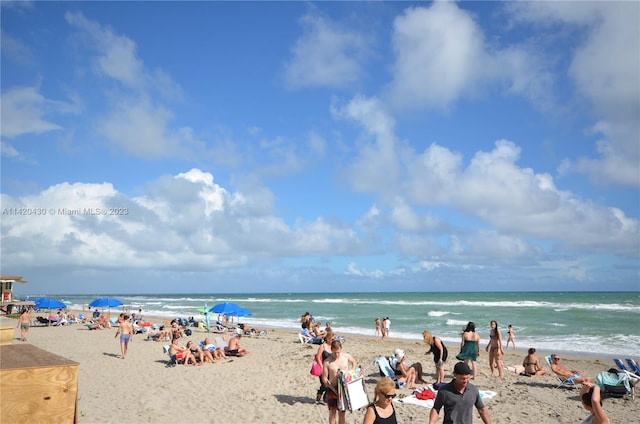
601 324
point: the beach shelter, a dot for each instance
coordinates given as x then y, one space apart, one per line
226 308
105 302
48 303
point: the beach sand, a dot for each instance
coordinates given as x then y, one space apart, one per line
273 385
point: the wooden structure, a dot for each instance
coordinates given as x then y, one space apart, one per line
37 386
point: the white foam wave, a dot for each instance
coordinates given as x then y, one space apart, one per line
437 313
457 322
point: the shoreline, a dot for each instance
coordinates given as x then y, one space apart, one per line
272 384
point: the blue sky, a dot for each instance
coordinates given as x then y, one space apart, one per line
152 147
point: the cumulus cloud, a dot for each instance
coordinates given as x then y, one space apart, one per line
517 202
186 221
605 68
327 55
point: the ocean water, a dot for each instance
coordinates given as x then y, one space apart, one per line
606 324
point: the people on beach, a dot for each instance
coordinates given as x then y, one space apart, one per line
592 401
511 338
322 354
378 323
531 364
24 321
565 374
338 360
399 366
458 398
125 330
234 348
381 411
494 347
387 326
470 347
217 351
439 351
178 353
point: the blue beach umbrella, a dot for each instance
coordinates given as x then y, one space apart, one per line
241 312
48 303
225 308
103 302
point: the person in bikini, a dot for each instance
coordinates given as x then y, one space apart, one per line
531 364
178 354
496 352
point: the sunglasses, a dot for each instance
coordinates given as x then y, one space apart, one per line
390 395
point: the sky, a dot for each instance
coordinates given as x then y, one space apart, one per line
239 147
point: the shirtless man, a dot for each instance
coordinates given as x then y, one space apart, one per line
234 349
337 361
565 374
125 329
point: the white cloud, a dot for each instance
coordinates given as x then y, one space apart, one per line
440 56
353 270
186 221
516 202
605 67
326 55
23 111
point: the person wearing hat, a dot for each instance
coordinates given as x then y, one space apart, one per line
401 370
458 398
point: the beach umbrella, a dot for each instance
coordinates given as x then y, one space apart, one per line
107 302
48 303
241 312
226 308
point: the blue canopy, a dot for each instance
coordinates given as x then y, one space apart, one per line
241 312
48 303
103 302
225 308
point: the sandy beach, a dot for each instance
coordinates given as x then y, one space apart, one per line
273 385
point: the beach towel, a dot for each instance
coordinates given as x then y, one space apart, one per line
428 403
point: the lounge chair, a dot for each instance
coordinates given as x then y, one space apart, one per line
386 371
306 337
622 367
615 384
562 382
635 368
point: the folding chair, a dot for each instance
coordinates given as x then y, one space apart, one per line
562 382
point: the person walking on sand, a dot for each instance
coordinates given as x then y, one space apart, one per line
125 330
496 352
24 321
378 327
458 399
511 338
337 361
470 347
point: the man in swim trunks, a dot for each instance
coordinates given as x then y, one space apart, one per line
336 362
23 322
125 329
565 374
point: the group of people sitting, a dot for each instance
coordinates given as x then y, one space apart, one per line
205 351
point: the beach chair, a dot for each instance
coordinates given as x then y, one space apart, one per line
568 383
616 384
622 367
306 337
635 368
386 371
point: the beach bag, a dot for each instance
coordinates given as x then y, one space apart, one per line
316 368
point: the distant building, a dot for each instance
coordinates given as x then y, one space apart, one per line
7 302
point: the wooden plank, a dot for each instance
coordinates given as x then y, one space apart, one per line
37 386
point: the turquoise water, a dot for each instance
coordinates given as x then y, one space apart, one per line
594 323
